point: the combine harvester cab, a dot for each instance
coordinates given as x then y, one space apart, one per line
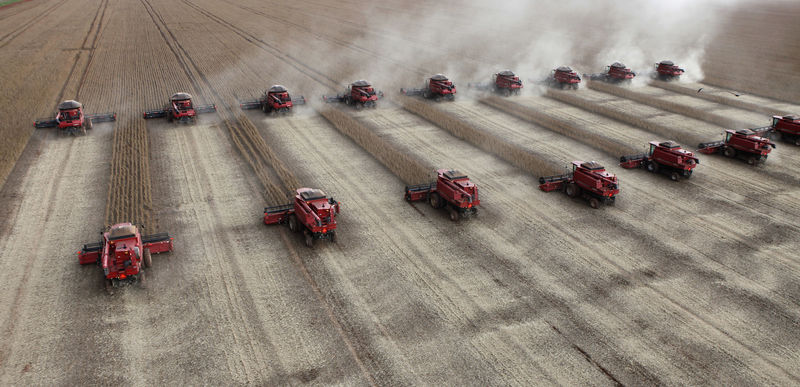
123 253
180 109
452 189
666 70
504 83
437 87
615 73
666 157
71 120
311 212
564 78
275 100
787 126
745 144
360 94
588 179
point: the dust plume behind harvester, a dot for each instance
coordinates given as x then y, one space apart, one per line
746 144
666 157
276 99
123 253
70 119
311 212
452 189
359 94
504 83
437 87
588 180
180 108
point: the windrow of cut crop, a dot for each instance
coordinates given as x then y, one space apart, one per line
672 107
404 166
591 138
720 99
518 156
630 119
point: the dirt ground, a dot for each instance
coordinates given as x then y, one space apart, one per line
689 282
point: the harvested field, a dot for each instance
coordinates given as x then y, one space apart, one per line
694 282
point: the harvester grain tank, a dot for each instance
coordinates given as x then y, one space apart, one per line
123 253
181 109
744 143
311 212
452 189
360 94
437 87
70 119
276 99
666 157
588 179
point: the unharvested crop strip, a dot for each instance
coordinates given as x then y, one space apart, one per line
407 168
630 119
582 135
518 156
669 106
721 99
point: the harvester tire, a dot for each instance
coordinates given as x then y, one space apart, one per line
730 152
83 130
674 176
333 236
309 239
506 92
797 141
293 226
594 203
572 190
142 279
435 200
687 173
454 215
751 160
89 125
148 258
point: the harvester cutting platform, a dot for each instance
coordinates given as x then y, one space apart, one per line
666 157
588 179
505 83
565 78
70 119
437 87
666 70
275 100
615 73
360 94
180 108
311 212
746 144
452 189
123 253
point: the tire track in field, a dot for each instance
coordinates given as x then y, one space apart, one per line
7 38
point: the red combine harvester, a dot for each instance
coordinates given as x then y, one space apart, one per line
744 143
275 100
615 73
359 94
123 253
312 212
505 82
588 179
564 78
437 87
71 120
181 109
666 70
787 126
666 157
452 189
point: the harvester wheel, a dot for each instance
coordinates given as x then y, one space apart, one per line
674 176
108 285
730 152
309 239
652 167
148 258
142 279
594 203
797 141
333 236
687 173
83 130
359 106
751 160
572 190
454 215
435 200
293 226
89 125
506 92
